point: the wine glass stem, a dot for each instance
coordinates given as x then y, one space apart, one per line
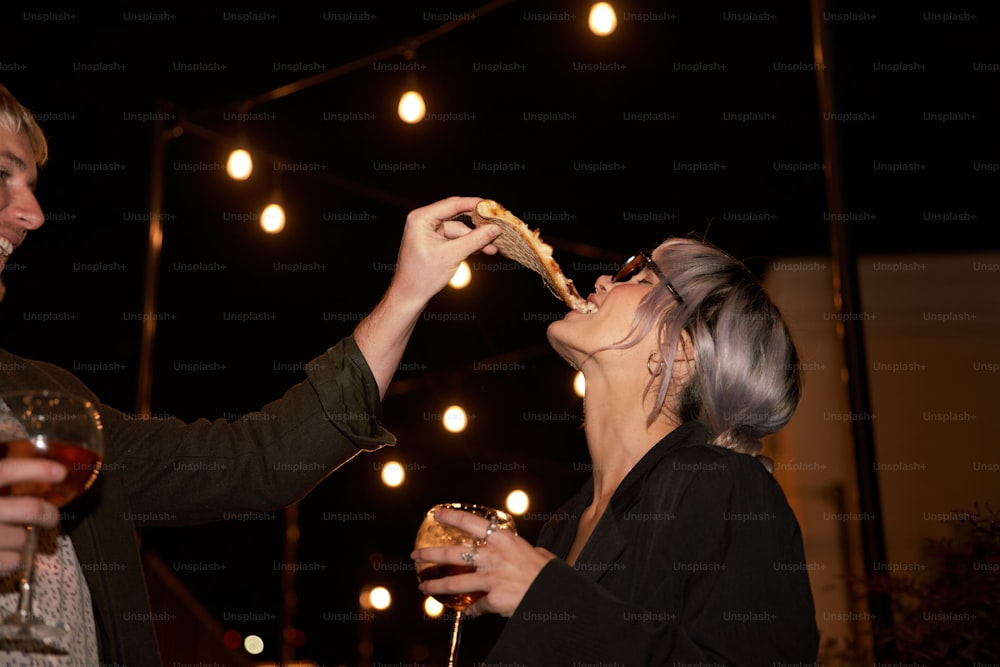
456 631
27 572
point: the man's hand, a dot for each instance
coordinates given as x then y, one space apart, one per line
432 249
16 512
433 246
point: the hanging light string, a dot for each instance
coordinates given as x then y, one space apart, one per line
400 49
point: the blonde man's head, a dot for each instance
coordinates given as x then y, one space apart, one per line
15 118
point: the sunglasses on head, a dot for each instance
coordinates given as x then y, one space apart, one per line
638 263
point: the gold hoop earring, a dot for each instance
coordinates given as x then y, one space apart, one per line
660 365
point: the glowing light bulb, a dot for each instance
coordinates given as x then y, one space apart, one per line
462 277
580 384
239 166
393 473
517 502
602 20
253 645
272 218
380 597
455 420
432 607
411 107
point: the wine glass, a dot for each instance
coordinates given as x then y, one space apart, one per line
48 425
434 534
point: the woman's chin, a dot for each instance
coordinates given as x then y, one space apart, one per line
560 345
552 332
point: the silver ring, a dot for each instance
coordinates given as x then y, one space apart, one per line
470 556
492 528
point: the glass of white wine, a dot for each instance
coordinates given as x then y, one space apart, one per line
434 534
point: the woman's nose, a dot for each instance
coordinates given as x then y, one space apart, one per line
603 283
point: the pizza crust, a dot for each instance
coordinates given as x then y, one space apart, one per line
525 246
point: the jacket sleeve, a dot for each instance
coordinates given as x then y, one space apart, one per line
724 584
183 473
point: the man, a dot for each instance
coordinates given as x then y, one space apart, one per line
327 419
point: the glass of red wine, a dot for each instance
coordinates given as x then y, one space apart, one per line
42 424
434 534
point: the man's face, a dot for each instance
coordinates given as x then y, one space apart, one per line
19 210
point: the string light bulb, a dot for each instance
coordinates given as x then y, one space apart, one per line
432 607
455 420
253 645
517 502
412 108
393 473
272 218
380 598
239 165
602 20
462 277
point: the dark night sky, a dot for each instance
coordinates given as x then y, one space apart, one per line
605 145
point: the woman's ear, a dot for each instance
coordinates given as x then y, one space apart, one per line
685 348
683 367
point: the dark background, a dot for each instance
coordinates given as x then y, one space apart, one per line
598 183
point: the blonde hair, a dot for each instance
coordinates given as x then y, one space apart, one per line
15 118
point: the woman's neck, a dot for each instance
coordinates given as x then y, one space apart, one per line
618 435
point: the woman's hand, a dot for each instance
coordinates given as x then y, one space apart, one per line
506 565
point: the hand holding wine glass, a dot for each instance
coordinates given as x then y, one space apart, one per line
435 534
17 511
39 425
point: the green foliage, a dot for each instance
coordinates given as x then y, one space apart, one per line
948 614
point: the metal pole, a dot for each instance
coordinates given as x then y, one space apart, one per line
847 297
161 137
289 598
144 389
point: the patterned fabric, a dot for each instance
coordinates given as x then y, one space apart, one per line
61 596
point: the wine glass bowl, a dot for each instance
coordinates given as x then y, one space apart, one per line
434 534
82 465
42 424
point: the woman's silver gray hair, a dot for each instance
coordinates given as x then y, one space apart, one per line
746 382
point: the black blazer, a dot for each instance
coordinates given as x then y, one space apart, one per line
698 559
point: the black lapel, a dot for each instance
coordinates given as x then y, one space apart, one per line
608 540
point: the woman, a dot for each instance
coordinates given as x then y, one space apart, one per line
681 549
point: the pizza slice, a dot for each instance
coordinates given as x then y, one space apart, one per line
525 246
